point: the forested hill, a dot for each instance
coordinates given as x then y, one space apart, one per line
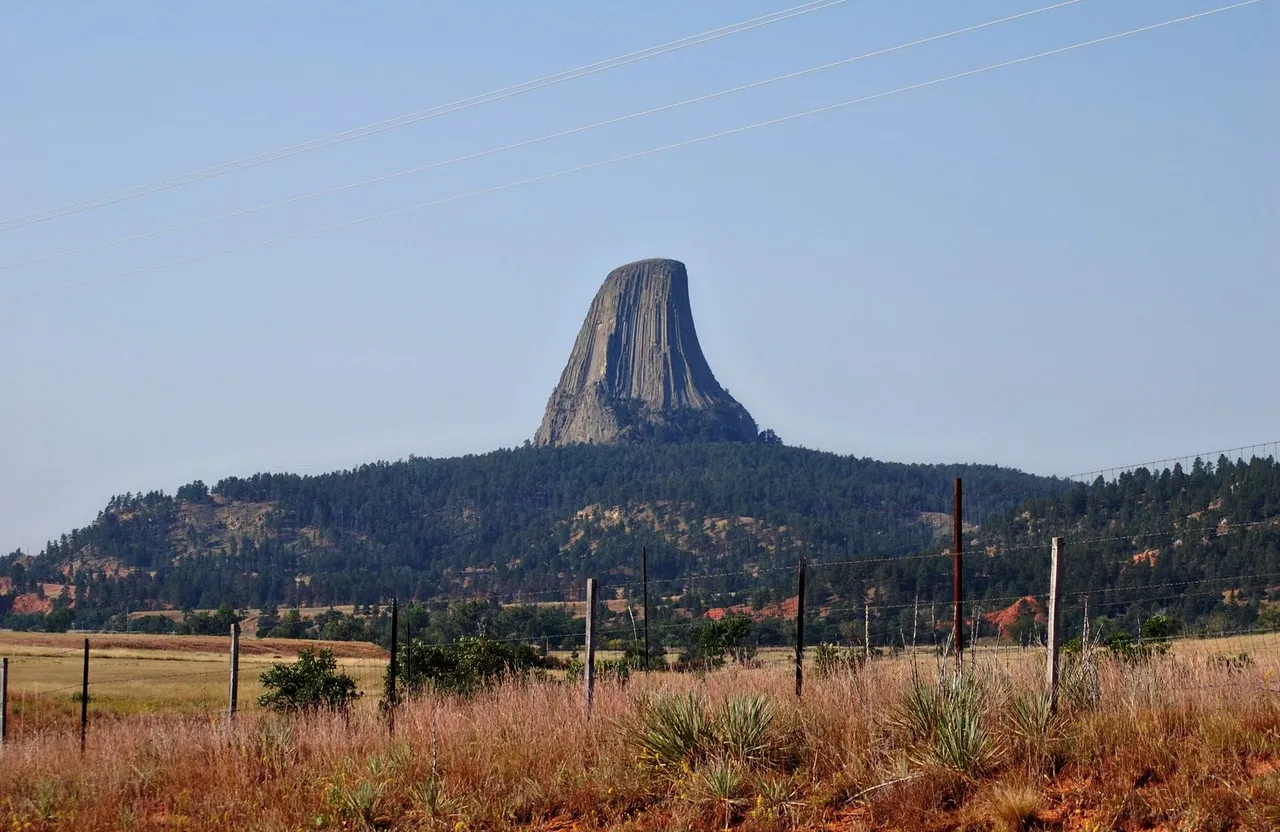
1201 546
526 520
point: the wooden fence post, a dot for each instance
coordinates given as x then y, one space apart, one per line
1055 595
866 630
589 674
957 551
233 694
393 695
4 700
800 629
84 698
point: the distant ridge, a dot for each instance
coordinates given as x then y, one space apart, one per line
637 372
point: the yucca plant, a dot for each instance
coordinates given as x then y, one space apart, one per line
742 725
1035 728
948 725
674 731
721 783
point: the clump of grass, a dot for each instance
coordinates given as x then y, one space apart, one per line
1013 808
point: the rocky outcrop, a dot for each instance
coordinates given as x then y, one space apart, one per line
637 371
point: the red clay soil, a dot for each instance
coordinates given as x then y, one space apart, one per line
29 602
783 609
1005 619
284 647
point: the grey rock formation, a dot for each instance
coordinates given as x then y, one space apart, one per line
637 372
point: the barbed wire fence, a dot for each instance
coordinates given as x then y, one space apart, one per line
47 689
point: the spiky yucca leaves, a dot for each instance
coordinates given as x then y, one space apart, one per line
1035 730
721 785
673 731
743 726
947 724
682 731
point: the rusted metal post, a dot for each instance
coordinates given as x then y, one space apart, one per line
84 698
800 630
4 700
644 580
957 551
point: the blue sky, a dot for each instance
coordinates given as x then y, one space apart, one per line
1062 265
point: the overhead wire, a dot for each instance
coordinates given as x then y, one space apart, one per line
1103 472
529 142
626 157
415 117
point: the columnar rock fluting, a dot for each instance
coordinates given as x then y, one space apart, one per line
637 371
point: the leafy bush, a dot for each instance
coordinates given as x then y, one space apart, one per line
710 642
1120 645
313 682
464 667
831 660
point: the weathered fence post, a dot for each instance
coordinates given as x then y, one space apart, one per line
866 630
4 700
393 694
589 674
408 655
1055 595
957 551
233 695
84 698
800 629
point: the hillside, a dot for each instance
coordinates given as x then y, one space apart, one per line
1201 546
527 520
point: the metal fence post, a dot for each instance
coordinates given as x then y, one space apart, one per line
84 698
233 695
4 700
800 629
957 551
644 580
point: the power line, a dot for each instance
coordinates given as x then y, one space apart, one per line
1103 472
623 158
415 117
529 142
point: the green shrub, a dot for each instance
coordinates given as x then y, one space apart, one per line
465 666
313 682
831 660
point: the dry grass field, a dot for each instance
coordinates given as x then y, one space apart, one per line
1178 743
139 674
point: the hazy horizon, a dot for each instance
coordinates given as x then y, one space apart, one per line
1064 265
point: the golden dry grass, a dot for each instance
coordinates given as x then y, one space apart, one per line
1176 744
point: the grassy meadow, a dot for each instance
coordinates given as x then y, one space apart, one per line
1184 742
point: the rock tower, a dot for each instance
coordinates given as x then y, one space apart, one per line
637 373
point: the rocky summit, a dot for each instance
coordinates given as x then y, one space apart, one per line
637 373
